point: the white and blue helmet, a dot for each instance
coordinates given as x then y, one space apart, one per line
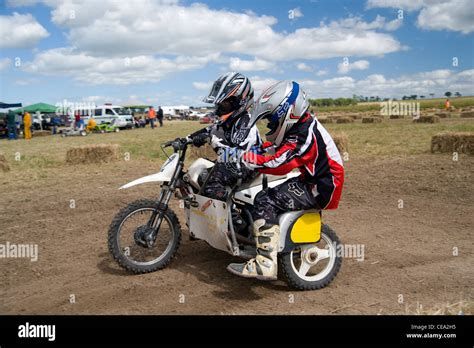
282 104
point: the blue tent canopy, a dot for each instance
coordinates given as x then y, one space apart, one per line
6 105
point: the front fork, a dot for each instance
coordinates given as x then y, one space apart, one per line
156 218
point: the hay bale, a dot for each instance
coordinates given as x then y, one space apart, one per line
324 120
442 114
355 116
41 133
342 141
427 119
4 166
396 117
100 153
467 114
344 120
371 120
461 142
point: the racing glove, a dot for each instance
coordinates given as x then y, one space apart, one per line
200 139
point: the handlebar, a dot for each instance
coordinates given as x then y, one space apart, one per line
178 144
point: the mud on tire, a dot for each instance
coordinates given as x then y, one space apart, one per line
113 234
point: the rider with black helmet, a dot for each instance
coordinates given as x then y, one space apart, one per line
232 94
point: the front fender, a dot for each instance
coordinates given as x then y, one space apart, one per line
158 177
165 174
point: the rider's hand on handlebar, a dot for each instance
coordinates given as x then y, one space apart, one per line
200 139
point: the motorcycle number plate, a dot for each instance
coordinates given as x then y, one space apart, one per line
307 228
208 220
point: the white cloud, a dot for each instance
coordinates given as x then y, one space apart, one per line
202 86
329 41
341 83
237 64
450 15
20 31
357 23
304 67
259 84
26 82
121 71
410 5
344 68
295 13
455 15
393 24
119 28
436 74
423 83
5 63
95 99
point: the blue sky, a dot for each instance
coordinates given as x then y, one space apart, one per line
168 52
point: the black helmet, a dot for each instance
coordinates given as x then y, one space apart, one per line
232 94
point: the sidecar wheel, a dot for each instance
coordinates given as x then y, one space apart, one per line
313 266
134 257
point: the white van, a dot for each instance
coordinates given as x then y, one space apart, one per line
107 113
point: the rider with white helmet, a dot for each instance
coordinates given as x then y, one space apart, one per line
300 142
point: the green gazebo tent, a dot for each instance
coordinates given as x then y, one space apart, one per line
41 107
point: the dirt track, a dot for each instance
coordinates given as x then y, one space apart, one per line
408 251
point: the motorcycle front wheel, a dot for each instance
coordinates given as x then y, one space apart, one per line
313 266
124 238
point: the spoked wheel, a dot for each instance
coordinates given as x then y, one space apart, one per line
127 238
313 266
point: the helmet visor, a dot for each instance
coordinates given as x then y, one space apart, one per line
214 92
273 123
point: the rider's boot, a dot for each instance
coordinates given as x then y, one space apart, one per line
264 266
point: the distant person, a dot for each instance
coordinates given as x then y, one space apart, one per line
160 116
55 122
447 104
152 117
91 125
11 125
77 120
27 125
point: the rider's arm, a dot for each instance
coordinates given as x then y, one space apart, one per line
201 136
202 131
293 153
252 139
